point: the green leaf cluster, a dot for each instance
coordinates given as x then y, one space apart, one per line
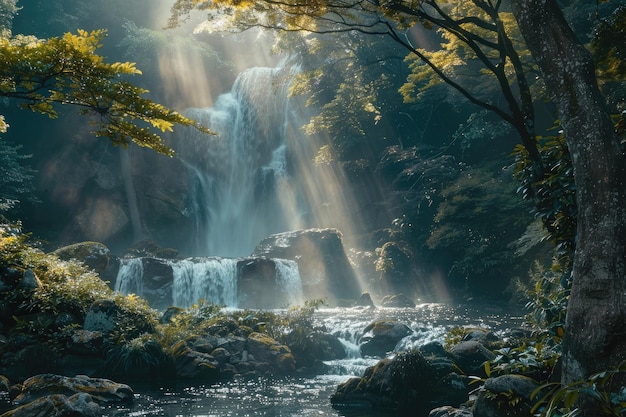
67 71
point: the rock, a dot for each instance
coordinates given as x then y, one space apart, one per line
470 356
94 255
194 365
365 300
313 348
407 383
264 283
29 281
102 317
404 384
398 300
5 384
265 349
101 390
86 342
58 405
506 395
100 219
26 357
382 336
324 267
170 313
448 411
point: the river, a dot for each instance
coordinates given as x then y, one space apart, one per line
310 396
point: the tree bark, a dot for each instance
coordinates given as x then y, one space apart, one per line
595 333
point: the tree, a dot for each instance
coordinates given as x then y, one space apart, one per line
481 37
595 337
67 70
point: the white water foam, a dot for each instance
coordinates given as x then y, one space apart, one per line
288 279
213 280
130 277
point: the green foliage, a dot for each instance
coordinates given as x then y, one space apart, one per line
602 393
137 358
547 294
15 177
477 220
554 195
67 70
536 359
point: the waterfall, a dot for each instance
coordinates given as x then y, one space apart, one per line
288 278
130 277
213 280
239 176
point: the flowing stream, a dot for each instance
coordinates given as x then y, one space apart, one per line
310 396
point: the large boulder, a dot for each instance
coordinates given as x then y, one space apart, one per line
101 390
94 255
407 384
266 283
324 267
381 336
506 395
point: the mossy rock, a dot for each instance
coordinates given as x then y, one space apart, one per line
94 255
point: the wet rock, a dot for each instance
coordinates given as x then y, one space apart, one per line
102 317
311 348
100 389
193 365
448 411
382 336
406 384
264 283
324 267
94 255
58 405
29 281
397 300
365 300
267 350
470 356
506 395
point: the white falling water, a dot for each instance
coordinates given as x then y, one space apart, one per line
288 279
239 175
213 280
130 277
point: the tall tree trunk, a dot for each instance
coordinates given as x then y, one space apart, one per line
595 334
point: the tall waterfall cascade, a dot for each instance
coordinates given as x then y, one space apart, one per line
241 187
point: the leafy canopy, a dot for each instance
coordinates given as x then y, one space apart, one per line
67 70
